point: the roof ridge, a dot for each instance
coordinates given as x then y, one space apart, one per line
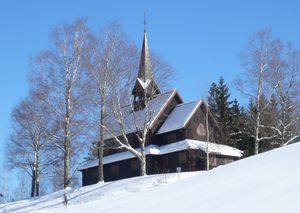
190 102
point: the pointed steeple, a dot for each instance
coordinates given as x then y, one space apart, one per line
145 68
145 85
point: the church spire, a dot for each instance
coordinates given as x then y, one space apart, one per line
145 68
145 86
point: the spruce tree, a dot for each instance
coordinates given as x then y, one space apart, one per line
223 104
219 104
212 99
247 145
236 123
269 119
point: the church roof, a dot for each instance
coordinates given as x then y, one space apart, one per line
179 117
186 144
135 120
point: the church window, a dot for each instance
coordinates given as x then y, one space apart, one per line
201 130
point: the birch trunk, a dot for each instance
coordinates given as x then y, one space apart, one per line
32 183
37 176
259 93
34 172
207 138
67 140
143 171
101 143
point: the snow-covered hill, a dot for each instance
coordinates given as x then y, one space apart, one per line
269 182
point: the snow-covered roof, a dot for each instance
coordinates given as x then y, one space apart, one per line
219 149
169 148
151 149
135 120
179 117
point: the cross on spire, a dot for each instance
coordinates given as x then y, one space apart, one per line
145 23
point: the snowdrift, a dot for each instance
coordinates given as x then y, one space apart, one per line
268 182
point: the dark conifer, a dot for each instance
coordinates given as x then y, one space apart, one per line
219 104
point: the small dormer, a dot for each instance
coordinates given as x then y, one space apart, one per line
145 87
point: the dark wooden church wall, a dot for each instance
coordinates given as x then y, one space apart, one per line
197 159
196 127
170 162
89 176
112 171
196 121
122 169
171 137
186 160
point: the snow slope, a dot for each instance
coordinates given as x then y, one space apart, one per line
269 182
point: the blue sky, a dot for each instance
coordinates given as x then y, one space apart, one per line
201 39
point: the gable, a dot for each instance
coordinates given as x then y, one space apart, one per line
188 120
196 127
179 117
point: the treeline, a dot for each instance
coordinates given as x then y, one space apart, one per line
271 84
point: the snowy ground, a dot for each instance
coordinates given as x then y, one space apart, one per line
269 182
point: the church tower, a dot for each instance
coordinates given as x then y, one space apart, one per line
145 87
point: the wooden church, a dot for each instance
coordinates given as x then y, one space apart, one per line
178 136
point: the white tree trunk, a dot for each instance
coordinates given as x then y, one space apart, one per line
143 165
101 143
207 138
67 140
258 97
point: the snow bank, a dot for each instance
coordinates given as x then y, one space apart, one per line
103 191
268 182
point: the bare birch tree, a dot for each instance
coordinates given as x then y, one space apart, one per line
285 78
254 83
110 53
27 147
59 74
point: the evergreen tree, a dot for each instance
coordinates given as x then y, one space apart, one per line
219 104
247 145
269 119
223 104
239 130
212 99
236 123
